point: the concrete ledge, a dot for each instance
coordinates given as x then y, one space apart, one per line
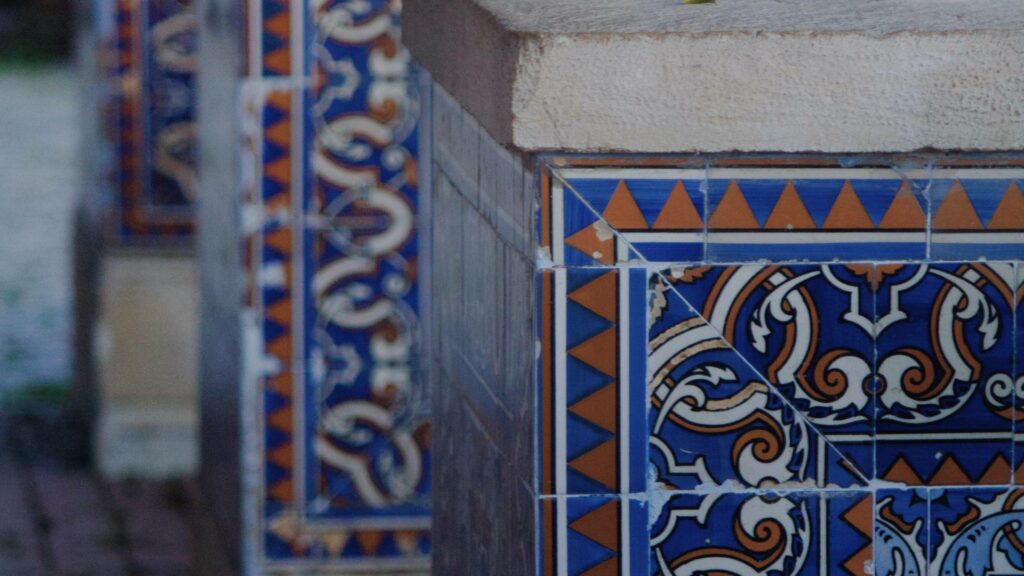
750 75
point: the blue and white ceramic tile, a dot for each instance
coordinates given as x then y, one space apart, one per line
150 112
890 361
814 215
1018 371
901 532
589 535
977 214
976 531
593 436
723 414
945 372
618 216
344 416
776 534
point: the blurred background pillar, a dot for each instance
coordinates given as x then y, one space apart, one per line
308 240
137 289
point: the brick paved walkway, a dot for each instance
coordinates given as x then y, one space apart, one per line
58 519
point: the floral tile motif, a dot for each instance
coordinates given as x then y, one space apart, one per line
150 117
341 429
776 534
945 372
591 535
976 531
592 419
771 370
901 532
830 378
978 214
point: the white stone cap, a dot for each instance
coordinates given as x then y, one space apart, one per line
743 75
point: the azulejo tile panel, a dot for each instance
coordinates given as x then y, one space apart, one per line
829 381
764 533
340 430
592 428
150 64
767 372
944 372
593 535
686 214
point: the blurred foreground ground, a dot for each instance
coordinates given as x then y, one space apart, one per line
58 519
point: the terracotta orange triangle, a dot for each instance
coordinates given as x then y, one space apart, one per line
1009 215
900 471
278 61
587 241
609 567
598 296
281 419
905 211
622 213
280 347
860 514
281 456
279 132
334 542
599 408
408 541
369 541
280 170
280 100
679 213
998 472
278 25
733 212
856 564
279 239
280 383
281 491
280 312
847 212
789 212
599 464
949 474
277 201
598 352
956 211
601 525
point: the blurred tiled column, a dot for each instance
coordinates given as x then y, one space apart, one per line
323 108
137 296
714 292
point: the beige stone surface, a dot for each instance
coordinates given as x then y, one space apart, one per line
147 352
148 326
756 75
672 16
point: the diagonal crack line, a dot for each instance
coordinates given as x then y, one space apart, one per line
657 270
